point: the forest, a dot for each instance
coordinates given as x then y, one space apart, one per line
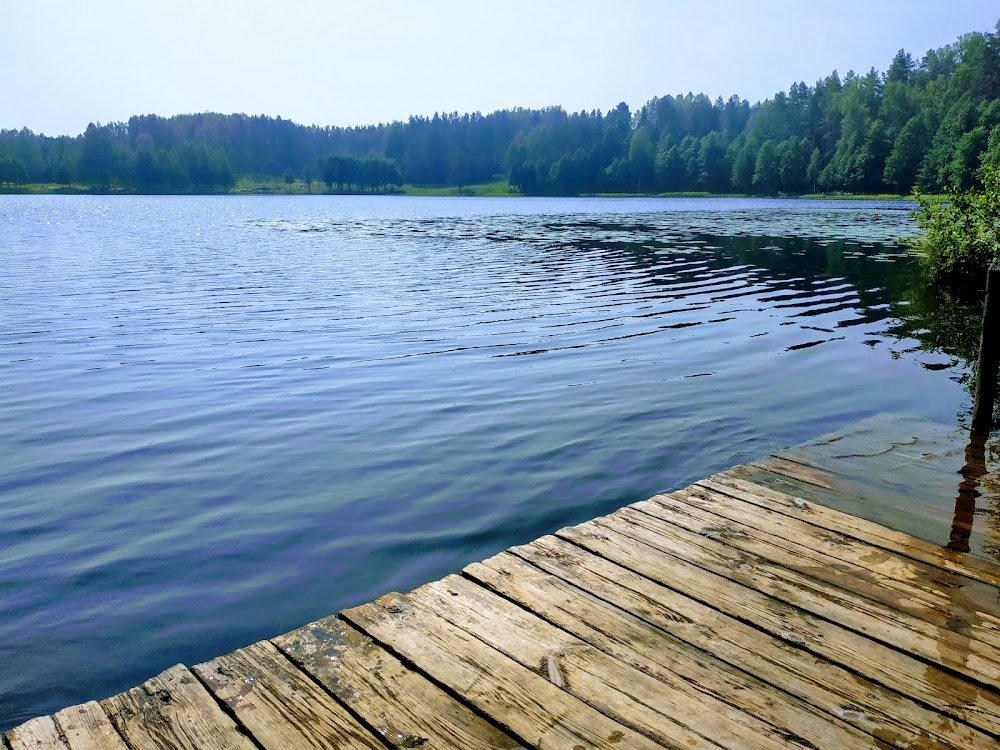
929 124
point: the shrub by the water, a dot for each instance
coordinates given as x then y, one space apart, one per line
962 232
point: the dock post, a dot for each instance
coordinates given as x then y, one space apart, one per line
989 352
968 492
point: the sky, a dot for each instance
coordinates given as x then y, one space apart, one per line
329 62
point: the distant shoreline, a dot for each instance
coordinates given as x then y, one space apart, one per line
486 190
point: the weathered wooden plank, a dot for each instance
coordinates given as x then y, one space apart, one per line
888 454
909 485
889 435
172 711
970 657
87 727
404 707
792 470
955 592
883 713
831 519
857 553
632 641
36 734
906 487
885 435
903 486
664 707
957 697
892 471
900 590
520 700
280 706
880 505
906 475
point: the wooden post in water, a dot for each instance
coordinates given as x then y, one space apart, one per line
968 491
989 352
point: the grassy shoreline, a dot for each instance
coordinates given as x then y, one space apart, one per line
496 189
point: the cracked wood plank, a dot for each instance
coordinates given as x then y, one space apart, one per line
279 705
888 580
558 565
87 727
35 734
972 658
923 682
172 711
404 706
663 706
516 698
730 483
650 648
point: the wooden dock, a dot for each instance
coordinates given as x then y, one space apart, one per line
748 610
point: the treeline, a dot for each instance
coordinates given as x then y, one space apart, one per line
930 124
12 172
350 174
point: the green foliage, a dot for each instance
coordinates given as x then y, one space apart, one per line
347 174
97 157
12 172
766 173
641 157
743 155
992 156
962 232
714 170
793 165
814 168
903 163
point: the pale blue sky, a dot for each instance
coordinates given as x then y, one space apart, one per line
67 63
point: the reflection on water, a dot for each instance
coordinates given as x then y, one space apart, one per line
968 492
978 497
853 265
213 402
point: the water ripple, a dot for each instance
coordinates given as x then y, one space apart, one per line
226 416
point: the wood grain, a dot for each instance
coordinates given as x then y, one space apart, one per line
830 688
404 706
649 648
970 657
890 581
172 711
664 706
36 734
875 565
977 704
729 482
279 705
516 698
87 727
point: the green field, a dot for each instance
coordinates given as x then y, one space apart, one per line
497 188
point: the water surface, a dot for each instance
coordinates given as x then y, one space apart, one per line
224 417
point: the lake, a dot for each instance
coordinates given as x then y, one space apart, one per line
224 417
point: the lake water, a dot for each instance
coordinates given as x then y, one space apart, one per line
224 417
